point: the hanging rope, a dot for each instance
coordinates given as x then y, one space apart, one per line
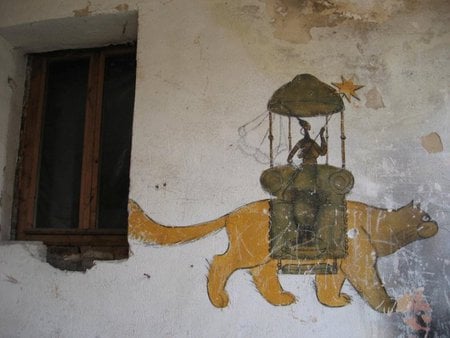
342 140
270 139
327 119
289 134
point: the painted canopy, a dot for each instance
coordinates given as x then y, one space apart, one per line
305 96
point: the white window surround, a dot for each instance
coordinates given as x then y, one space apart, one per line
73 32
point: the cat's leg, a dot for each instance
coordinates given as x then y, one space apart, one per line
266 280
328 290
220 270
360 270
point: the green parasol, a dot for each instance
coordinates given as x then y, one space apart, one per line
305 96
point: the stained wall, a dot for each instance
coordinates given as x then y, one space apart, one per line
205 70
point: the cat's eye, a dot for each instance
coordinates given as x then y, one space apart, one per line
426 218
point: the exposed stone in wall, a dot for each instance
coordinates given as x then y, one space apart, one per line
76 258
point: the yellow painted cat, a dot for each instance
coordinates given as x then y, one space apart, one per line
373 233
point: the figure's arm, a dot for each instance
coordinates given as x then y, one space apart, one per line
293 152
323 143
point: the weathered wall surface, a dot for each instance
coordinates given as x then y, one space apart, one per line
206 68
11 97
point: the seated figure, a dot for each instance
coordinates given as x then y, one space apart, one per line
307 148
306 209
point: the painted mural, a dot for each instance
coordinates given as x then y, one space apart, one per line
307 226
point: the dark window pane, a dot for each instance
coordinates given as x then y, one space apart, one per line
62 144
117 118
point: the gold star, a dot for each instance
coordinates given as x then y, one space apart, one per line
347 88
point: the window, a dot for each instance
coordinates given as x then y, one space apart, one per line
73 173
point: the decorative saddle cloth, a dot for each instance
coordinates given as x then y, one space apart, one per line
308 211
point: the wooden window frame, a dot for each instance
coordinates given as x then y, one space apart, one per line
87 234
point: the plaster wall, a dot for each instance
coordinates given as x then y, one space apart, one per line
206 68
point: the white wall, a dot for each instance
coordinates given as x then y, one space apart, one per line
205 68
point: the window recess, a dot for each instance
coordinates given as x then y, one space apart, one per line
73 173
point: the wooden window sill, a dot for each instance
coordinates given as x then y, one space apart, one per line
77 237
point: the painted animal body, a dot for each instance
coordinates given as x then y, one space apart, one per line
374 233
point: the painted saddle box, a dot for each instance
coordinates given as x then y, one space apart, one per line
308 210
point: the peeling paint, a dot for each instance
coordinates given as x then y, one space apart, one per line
298 26
293 20
432 143
122 7
83 11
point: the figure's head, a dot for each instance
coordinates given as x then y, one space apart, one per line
304 124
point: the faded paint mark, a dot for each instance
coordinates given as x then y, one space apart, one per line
250 10
83 11
11 83
432 143
11 279
418 312
374 100
122 7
